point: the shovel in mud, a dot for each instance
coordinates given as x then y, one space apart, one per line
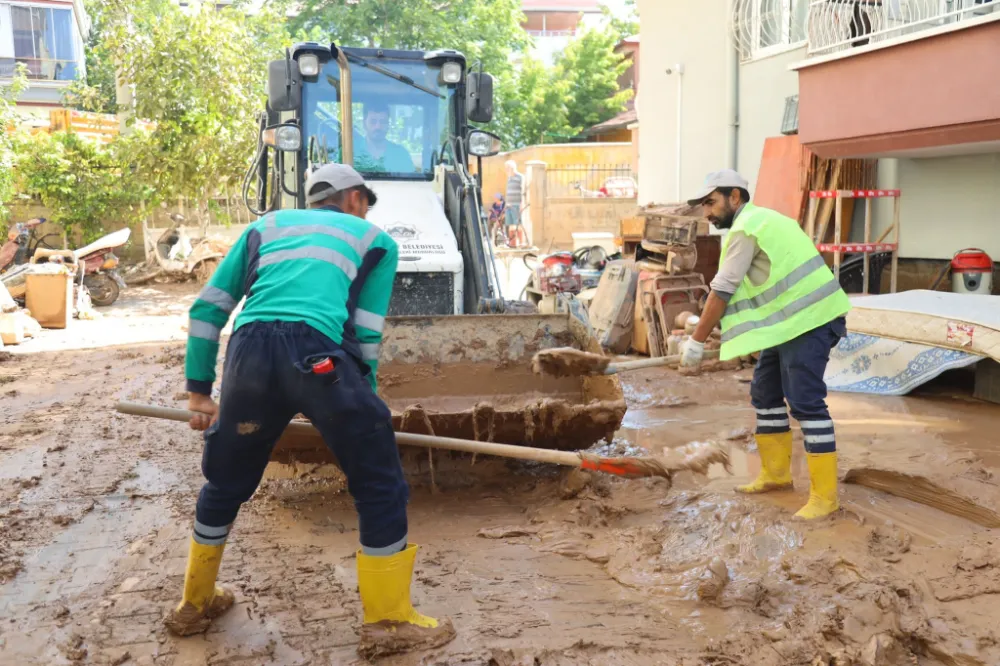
569 362
697 456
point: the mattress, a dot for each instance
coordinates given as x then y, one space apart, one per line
964 322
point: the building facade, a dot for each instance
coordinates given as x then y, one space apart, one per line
47 37
551 24
909 82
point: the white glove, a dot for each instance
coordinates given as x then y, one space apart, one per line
691 353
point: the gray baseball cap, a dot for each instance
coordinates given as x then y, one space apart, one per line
717 179
336 177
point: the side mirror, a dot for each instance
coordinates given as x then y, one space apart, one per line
284 85
483 144
479 97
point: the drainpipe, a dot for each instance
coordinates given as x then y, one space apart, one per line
678 69
733 100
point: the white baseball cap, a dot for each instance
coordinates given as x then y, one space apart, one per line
336 177
727 178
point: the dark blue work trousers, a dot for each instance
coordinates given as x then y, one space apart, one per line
263 389
793 372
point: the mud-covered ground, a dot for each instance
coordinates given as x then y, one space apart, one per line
533 567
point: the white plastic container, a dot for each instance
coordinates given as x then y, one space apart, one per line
603 239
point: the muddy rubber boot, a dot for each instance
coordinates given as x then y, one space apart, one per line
823 498
391 623
775 464
202 601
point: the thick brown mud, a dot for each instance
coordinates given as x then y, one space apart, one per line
534 565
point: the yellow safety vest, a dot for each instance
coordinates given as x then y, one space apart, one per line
800 293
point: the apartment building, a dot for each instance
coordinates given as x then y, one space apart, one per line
551 24
909 82
47 37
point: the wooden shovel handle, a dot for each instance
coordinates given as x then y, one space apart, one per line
567 458
625 366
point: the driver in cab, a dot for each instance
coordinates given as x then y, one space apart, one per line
374 152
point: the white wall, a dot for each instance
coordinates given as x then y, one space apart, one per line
764 85
948 204
693 33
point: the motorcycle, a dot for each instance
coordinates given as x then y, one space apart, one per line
99 266
22 243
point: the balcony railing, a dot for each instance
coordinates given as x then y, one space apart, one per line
551 33
838 25
40 69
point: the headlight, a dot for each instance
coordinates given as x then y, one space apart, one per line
309 64
286 138
451 72
483 144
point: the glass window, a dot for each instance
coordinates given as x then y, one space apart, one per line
400 126
45 41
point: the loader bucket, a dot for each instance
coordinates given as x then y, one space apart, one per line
470 377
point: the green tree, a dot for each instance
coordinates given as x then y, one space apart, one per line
533 106
198 74
486 30
627 25
590 67
8 119
83 184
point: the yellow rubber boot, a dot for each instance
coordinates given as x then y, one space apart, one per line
775 464
391 623
202 601
823 498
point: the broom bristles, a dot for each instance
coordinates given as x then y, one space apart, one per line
568 362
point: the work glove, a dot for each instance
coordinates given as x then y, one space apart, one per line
691 353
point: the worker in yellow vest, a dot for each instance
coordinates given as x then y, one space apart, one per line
775 295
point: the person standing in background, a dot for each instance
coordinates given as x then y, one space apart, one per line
515 196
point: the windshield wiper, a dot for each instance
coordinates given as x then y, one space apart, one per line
394 75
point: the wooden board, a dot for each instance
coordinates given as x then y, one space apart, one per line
782 180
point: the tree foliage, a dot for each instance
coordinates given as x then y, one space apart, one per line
8 118
84 185
484 30
198 74
591 67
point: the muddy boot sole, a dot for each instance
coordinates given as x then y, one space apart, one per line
382 639
188 621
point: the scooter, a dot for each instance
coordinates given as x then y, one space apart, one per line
99 266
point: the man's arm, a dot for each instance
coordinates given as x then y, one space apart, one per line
739 257
373 304
210 314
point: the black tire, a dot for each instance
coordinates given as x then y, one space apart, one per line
103 289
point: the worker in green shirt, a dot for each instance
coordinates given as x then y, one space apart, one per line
317 285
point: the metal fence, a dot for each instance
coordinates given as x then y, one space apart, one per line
837 25
591 180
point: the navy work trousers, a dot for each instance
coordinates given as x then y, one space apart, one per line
262 390
794 372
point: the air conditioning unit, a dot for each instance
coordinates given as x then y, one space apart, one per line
790 121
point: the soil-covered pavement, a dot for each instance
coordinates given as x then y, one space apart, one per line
533 565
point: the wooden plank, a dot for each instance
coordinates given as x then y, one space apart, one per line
780 181
827 205
868 235
895 254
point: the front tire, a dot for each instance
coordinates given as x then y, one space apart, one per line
103 289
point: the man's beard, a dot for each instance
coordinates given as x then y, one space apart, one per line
378 136
725 221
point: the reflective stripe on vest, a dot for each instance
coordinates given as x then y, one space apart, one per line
348 266
799 295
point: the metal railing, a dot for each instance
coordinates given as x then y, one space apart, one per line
551 33
40 69
591 181
839 25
